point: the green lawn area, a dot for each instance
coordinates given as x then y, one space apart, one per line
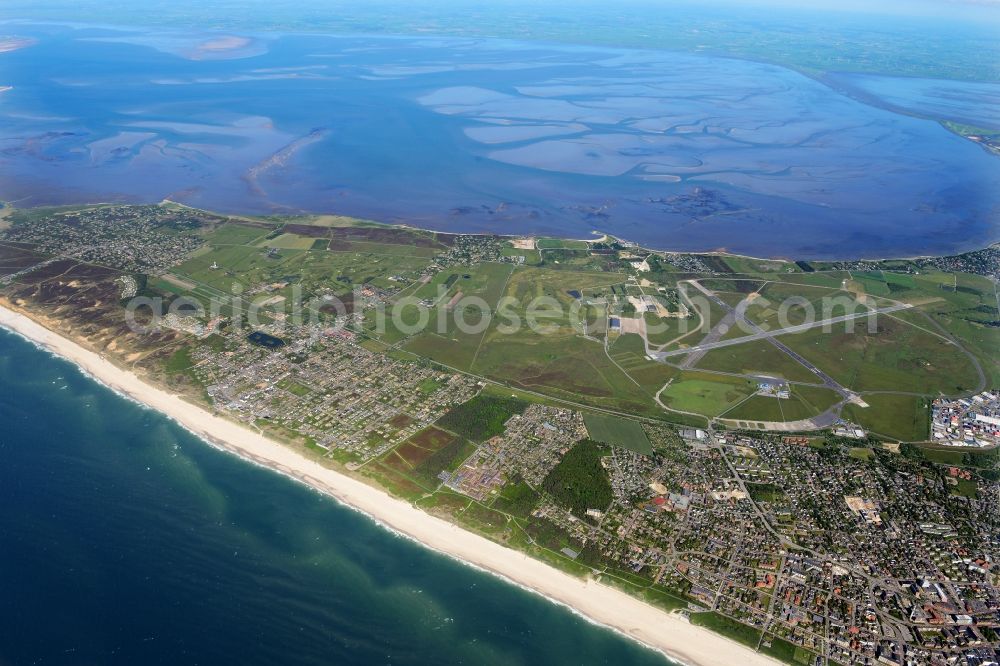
979 339
455 349
627 349
944 456
901 417
560 244
291 258
788 653
236 234
294 387
552 356
965 488
861 453
895 357
758 357
732 629
707 394
805 402
629 352
616 431
752 265
660 331
389 249
290 242
566 366
454 334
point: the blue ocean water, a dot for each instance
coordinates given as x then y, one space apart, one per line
674 150
125 540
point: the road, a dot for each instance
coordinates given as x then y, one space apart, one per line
771 336
760 334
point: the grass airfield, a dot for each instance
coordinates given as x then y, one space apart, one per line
592 347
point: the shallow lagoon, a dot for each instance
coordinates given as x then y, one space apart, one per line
672 150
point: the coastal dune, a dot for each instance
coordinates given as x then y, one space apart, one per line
668 633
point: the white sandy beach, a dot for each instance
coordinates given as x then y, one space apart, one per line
665 632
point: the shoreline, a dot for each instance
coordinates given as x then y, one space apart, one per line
604 236
598 603
600 236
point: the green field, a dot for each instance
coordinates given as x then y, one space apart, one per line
565 357
731 629
901 417
896 356
537 345
618 432
247 255
751 265
290 242
707 394
759 358
661 331
805 402
560 244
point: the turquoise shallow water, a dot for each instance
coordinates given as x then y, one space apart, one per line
126 540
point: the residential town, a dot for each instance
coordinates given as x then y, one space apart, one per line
971 421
